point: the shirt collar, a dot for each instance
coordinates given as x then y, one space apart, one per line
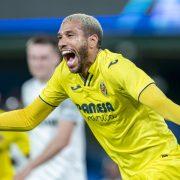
95 66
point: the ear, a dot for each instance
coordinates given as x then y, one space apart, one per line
93 40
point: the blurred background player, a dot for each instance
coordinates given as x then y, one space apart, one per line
62 132
7 139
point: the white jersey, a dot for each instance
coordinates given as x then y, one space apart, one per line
70 162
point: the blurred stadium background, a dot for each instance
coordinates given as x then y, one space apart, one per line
145 31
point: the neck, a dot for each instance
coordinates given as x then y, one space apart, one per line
89 62
42 80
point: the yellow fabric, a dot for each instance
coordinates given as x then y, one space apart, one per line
161 103
6 140
6 169
130 132
27 118
1 111
165 168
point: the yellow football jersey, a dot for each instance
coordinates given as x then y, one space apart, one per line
6 140
132 134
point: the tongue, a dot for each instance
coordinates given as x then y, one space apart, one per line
71 62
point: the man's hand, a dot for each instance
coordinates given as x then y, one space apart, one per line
23 173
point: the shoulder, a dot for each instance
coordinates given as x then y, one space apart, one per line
111 63
115 69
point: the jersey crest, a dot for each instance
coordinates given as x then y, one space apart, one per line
103 88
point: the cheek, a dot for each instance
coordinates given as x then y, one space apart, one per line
32 66
81 42
45 63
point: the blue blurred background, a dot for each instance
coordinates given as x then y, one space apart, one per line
145 31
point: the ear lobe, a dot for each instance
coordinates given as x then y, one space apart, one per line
93 40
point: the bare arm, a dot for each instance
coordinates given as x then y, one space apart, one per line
60 141
153 97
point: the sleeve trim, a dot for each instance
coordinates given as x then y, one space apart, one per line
46 102
144 89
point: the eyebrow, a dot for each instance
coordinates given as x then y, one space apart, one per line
66 32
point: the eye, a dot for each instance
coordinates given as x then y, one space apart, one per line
70 35
59 37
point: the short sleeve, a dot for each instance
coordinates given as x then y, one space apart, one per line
130 78
54 93
69 112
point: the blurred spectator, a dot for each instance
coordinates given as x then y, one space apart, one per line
12 103
62 133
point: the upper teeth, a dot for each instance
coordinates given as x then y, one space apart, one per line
65 52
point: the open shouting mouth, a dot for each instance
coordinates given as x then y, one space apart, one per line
70 57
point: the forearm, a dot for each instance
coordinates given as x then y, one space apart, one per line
25 119
57 144
51 150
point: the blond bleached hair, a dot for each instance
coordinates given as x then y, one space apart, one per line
90 25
